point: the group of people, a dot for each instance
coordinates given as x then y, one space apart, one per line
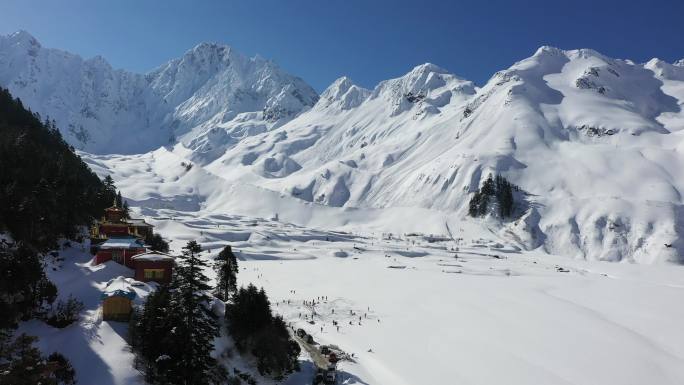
322 299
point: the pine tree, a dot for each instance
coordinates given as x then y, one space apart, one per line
257 331
226 268
108 193
109 183
28 291
64 373
173 334
504 196
156 242
488 187
501 190
47 191
126 210
21 363
474 205
152 333
119 199
484 203
197 327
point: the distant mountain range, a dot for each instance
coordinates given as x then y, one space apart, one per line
596 143
103 110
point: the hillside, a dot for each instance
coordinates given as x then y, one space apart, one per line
351 209
47 191
594 143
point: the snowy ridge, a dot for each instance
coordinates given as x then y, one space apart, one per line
596 143
93 104
594 140
343 94
102 110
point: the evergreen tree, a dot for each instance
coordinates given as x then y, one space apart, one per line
109 184
504 196
226 268
173 334
474 205
119 199
109 193
156 243
21 363
64 373
47 191
25 290
249 312
488 187
256 330
152 334
126 210
498 188
197 328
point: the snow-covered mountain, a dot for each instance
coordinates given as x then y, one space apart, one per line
102 110
595 142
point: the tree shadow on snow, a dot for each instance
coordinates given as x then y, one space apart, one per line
308 371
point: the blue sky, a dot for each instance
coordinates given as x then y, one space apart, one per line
366 40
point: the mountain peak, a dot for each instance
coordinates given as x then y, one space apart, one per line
428 67
342 83
209 45
345 92
679 63
548 50
209 48
22 37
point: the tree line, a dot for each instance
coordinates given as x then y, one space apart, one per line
173 333
47 193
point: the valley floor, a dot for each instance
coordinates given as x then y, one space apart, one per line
432 311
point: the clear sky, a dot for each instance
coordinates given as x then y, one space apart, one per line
368 40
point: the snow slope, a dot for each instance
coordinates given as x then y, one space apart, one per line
595 142
466 308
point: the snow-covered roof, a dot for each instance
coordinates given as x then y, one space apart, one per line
153 256
119 287
121 243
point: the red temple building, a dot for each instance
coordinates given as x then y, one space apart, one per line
120 250
114 223
116 238
153 266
